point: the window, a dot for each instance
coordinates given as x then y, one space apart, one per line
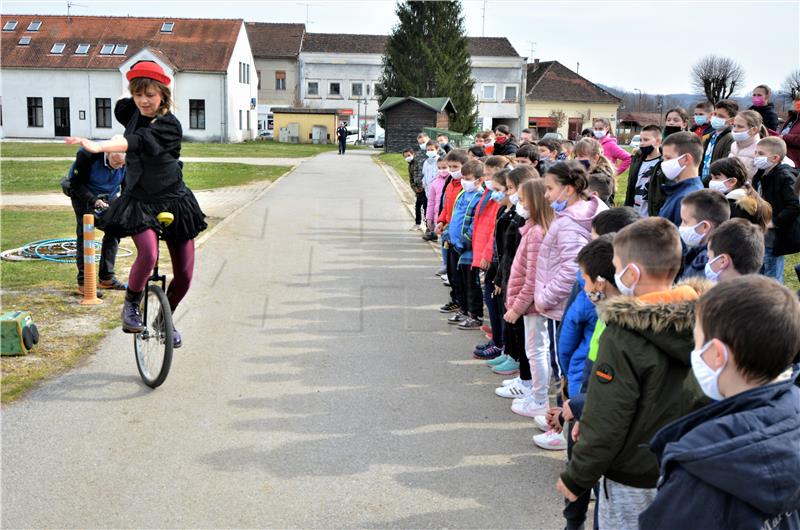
82 49
511 93
248 119
58 48
375 90
102 109
313 88
335 89
357 90
166 27
488 92
258 79
197 114
247 70
34 26
11 25
24 41
106 49
240 119
280 80
35 114
120 49
244 73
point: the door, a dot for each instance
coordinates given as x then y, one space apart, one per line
61 116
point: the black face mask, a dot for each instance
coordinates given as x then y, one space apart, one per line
585 163
647 150
669 129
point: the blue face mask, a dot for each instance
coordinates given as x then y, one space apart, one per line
498 196
701 119
557 205
717 123
585 163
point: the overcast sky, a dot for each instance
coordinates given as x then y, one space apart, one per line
649 45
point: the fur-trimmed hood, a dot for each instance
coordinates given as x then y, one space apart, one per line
656 322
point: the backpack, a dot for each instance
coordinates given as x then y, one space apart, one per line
66 182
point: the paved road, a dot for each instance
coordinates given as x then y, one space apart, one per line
318 387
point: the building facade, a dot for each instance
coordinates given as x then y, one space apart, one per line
61 76
559 100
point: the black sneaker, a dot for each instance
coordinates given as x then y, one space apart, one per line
470 323
458 318
449 307
492 352
482 347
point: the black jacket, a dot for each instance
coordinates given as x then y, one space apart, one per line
507 230
154 147
777 188
341 133
733 464
768 114
509 148
633 176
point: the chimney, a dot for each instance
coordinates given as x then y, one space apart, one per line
535 64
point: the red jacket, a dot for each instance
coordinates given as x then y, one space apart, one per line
792 139
483 230
450 194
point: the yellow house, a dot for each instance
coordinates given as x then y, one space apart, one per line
559 100
305 125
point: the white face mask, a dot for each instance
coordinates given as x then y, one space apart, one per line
762 162
706 377
410 158
423 145
740 136
523 212
599 134
456 174
431 154
514 198
624 289
489 185
710 273
469 185
672 168
690 235
718 185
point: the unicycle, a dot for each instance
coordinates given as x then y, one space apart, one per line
153 346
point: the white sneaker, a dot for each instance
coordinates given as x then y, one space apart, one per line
444 277
415 227
541 423
509 382
529 407
551 440
514 390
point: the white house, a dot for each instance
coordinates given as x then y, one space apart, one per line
62 75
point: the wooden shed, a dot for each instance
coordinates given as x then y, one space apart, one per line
406 117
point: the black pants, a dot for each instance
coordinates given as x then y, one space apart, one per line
420 206
473 294
575 512
342 145
456 289
493 304
108 251
515 347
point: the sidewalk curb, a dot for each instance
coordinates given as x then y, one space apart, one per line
228 218
396 181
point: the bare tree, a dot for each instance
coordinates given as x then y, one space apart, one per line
717 77
791 85
560 117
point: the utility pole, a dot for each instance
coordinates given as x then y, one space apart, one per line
483 20
533 49
639 104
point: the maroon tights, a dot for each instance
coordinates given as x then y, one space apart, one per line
180 252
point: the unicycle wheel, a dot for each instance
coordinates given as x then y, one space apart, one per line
153 346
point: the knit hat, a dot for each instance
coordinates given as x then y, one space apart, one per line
148 69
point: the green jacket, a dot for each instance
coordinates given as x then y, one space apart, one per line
641 381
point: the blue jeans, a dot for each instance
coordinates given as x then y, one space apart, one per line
773 266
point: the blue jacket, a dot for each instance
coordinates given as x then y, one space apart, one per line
462 222
675 193
694 262
577 328
732 464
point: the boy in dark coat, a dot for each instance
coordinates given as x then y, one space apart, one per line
734 463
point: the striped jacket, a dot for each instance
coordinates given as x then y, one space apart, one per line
463 240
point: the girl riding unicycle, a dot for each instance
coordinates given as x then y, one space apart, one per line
153 185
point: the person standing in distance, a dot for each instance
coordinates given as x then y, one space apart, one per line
341 134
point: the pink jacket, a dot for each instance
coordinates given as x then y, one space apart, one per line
434 198
522 280
556 267
615 153
746 153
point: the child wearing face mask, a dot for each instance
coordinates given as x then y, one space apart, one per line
455 160
675 120
736 248
702 211
435 192
681 154
729 177
776 182
638 380
718 144
764 107
642 169
702 115
617 155
734 462
531 339
747 130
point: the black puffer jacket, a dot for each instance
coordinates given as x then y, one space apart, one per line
768 114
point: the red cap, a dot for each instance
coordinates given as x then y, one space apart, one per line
148 69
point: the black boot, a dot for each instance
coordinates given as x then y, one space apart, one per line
131 314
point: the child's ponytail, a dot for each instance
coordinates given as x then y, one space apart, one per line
571 173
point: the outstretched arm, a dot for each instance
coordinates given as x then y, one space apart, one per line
116 144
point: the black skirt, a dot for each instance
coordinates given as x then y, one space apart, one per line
129 215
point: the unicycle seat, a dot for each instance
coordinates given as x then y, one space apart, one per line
165 218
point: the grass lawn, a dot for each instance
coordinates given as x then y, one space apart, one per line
44 176
397 162
256 149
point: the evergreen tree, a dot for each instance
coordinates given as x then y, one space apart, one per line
427 56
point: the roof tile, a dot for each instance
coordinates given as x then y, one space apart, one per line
275 41
552 81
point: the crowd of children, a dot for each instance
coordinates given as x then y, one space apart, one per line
648 336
